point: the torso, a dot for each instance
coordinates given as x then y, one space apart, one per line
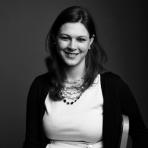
79 122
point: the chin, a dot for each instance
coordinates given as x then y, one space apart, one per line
71 63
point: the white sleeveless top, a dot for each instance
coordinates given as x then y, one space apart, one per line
78 125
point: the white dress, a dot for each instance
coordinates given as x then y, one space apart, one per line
78 125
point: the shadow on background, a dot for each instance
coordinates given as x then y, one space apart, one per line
121 27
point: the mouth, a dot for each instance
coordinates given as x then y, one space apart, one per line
70 54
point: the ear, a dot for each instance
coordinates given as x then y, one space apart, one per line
91 41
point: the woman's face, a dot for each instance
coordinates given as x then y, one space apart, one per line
73 43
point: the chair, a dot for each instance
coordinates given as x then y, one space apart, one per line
125 131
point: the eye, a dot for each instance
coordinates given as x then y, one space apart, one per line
81 39
64 38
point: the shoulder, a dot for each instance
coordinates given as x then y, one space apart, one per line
113 79
42 77
39 87
41 80
110 76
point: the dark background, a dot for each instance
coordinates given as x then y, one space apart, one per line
122 30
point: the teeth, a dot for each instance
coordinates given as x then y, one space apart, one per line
71 54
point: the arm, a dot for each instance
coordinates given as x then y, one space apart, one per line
138 131
33 124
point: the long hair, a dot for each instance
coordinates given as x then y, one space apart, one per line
95 57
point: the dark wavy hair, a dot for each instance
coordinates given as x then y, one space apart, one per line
95 57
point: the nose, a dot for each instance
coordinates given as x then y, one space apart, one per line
72 45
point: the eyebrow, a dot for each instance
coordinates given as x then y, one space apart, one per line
84 36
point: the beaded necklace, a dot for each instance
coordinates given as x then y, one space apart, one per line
71 91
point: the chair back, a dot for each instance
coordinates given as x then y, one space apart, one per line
125 131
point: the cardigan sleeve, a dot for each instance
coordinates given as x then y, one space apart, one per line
33 125
138 131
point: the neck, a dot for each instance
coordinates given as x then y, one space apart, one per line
75 73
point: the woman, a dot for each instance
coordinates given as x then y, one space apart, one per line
78 104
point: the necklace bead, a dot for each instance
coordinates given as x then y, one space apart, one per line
71 91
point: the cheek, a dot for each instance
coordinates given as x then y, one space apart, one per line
62 44
84 46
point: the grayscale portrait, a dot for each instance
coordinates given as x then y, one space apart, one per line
73 74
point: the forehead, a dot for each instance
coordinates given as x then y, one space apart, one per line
74 29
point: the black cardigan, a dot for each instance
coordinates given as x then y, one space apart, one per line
118 100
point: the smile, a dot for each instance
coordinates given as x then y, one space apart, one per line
71 54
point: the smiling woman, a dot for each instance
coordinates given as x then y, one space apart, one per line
74 43
74 48
78 104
